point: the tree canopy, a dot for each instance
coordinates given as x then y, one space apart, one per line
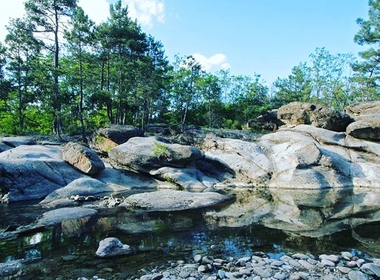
62 73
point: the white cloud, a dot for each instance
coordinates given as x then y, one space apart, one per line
218 60
97 10
13 9
146 11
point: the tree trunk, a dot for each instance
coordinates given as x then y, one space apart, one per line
56 101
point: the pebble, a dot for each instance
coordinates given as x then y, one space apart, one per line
326 262
332 258
346 255
344 269
300 256
280 276
295 263
260 266
306 264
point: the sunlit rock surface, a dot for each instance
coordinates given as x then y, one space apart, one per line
33 172
82 158
148 153
303 179
82 187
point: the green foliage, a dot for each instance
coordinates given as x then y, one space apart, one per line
161 151
115 73
232 124
367 71
327 80
297 87
99 139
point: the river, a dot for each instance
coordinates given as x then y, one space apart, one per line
67 250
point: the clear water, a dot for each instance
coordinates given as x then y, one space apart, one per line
67 250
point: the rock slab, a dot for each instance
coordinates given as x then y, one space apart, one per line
171 200
82 158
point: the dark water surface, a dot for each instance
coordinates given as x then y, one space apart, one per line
68 250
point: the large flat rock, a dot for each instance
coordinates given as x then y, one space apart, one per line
171 200
64 214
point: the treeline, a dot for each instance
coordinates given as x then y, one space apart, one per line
62 73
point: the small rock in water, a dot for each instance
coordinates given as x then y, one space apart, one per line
346 255
306 264
280 276
300 256
112 246
344 269
197 258
221 274
332 258
352 264
326 262
356 275
359 262
202 268
207 260
370 269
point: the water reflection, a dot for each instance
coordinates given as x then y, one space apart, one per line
312 213
272 221
73 251
33 254
35 239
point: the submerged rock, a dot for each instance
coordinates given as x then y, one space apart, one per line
11 269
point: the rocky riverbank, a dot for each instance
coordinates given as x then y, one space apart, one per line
317 175
262 266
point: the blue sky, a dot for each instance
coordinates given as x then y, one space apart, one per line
265 37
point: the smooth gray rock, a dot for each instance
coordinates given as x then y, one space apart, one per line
83 187
64 214
126 179
362 108
189 178
247 160
357 275
296 113
171 200
112 246
367 120
18 141
148 153
119 133
371 269
33 172
366 127
110 136
82 158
